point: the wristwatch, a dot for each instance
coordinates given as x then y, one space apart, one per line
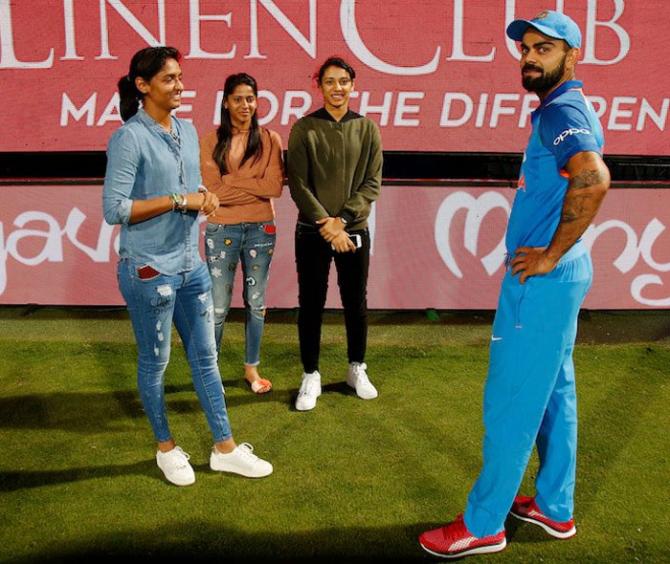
182 205
178 201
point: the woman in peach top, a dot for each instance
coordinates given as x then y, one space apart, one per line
241 163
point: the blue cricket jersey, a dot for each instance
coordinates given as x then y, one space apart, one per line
563 125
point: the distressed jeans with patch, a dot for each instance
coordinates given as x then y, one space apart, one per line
252 244
156 302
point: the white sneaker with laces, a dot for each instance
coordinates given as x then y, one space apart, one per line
240 461
310 389
357 378
176 467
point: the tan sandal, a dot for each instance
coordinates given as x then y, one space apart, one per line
260 386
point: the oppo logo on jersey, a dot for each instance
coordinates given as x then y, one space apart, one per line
568 132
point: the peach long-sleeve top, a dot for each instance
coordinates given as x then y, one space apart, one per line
245 193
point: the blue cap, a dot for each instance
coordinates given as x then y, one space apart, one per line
553 24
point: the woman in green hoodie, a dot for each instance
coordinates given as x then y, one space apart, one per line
334 175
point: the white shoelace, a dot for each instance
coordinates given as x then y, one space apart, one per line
359 370
180 461
247 451
306 387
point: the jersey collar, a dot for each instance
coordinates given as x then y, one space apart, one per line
567 85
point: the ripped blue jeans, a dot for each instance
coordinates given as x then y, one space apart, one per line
252 244
154 302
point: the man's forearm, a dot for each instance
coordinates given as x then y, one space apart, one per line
585 193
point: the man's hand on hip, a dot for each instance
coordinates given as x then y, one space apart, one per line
530 261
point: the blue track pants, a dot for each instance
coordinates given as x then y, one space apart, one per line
529 396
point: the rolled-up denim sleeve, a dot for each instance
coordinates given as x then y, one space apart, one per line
123 158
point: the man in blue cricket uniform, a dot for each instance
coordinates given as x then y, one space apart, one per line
530 388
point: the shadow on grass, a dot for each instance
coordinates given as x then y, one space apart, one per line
518 531
19 480
95 412
203 541
27 479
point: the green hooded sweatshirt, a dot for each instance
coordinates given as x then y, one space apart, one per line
334 168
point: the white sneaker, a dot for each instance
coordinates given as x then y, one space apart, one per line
310 389
358 379
240 461
176 467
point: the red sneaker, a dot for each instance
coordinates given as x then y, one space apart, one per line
455 541
526 509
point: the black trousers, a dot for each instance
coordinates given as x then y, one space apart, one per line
313 256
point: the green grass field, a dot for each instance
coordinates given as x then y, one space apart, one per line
353 481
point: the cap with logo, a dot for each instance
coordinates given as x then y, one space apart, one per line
551 23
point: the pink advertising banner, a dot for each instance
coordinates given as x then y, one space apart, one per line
437 75
432 247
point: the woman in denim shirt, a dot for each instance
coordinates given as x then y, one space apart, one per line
242 164
152 188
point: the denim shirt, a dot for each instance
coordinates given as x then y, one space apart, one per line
144 162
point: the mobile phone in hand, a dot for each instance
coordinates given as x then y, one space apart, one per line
356 239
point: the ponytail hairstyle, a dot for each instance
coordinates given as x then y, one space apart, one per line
146 64
224 133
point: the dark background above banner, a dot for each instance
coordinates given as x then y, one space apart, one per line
401 165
